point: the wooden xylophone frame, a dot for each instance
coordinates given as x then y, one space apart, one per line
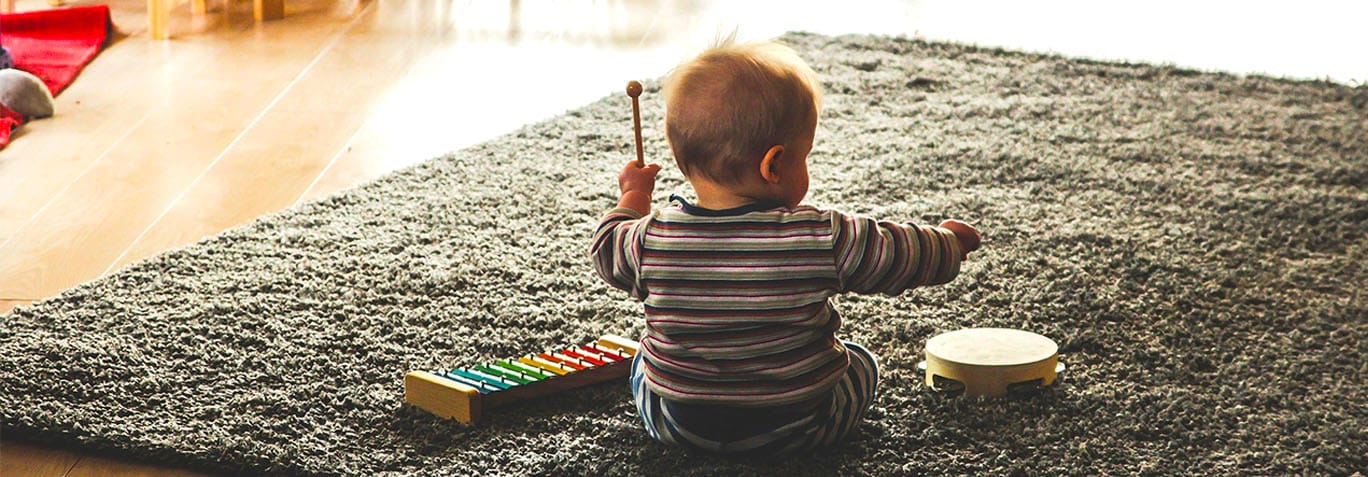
451 398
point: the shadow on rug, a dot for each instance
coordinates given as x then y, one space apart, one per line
1194 241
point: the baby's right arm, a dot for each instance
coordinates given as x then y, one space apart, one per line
887 257
616 252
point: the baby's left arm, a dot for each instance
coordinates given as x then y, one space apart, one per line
885 257
968 236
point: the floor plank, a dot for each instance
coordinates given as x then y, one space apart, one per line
282 155
99 466
78 236
24 460
439 107
8 305
48 155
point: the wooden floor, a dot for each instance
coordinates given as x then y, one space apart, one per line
159 144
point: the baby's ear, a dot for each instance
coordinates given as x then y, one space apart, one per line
769 166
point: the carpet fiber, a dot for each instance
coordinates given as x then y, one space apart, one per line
1194 241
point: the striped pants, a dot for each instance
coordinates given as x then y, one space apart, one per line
762 431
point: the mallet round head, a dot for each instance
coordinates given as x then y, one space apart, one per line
633 89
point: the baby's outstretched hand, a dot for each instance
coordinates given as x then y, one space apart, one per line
638 178
968 236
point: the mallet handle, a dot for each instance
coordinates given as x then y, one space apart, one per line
634 90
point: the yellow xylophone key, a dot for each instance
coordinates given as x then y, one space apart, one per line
544 364
625 346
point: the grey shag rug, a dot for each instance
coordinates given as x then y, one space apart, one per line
1196 242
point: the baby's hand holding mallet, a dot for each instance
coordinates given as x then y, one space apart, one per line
637 182
638 178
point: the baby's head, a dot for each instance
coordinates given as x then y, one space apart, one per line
742 117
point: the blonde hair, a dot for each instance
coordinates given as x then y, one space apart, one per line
726 107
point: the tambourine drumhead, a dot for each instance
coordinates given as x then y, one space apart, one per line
990 361
991 347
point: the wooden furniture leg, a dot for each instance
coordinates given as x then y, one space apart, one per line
159 13
158 17
6 6
264 10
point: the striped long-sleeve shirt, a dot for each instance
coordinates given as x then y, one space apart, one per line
736 301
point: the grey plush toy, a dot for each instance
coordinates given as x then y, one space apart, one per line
25 94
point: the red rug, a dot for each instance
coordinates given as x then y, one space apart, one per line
55 44
9 120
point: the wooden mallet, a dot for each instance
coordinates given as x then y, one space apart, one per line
634 90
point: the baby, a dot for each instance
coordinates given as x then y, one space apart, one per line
740 354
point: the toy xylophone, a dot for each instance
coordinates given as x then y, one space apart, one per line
465 393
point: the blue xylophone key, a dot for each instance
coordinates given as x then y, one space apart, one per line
484 372
493 381
481 386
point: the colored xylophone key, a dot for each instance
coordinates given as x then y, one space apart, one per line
465 393
478 381
538 362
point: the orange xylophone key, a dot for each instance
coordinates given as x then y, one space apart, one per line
563 360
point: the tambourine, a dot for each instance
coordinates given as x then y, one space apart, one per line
990 362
